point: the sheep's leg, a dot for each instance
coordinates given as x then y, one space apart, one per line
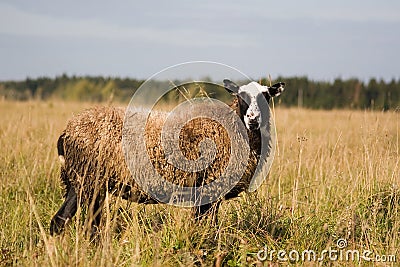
95 216
206 210
66 212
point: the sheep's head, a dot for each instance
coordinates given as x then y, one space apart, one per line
249 98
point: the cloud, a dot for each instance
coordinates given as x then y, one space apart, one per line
339 10
17 22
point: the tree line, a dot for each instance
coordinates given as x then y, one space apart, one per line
301 91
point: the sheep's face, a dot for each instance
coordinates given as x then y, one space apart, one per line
249 100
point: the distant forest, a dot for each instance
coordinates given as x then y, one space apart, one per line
300 91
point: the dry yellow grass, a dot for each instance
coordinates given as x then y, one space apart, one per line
336 175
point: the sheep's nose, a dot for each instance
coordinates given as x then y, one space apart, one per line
253 121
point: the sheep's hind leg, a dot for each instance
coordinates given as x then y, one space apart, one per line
207 210
96 217
65 213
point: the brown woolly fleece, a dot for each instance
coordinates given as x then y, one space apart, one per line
92 156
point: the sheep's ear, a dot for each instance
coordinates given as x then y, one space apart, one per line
231 87
274 90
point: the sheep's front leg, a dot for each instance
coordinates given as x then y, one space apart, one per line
66 212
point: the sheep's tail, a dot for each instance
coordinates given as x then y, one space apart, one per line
60 149
61 157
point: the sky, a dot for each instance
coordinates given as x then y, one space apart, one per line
322 40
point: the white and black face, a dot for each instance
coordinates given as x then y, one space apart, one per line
250 99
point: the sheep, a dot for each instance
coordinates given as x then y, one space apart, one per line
93 160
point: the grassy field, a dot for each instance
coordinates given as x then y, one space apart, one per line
336 176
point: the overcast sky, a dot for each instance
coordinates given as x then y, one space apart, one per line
320 39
